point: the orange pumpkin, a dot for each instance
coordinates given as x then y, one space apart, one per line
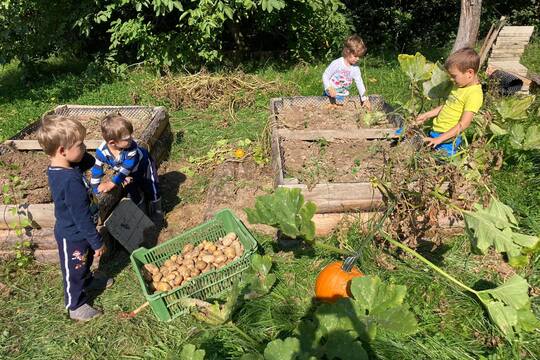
333 282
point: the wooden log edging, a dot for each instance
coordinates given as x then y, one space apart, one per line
41 215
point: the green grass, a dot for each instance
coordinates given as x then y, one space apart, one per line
452 324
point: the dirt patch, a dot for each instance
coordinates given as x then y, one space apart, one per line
325 117
93 128
31 168
322 161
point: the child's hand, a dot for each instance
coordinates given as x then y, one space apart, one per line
128 180
99 252
432 142
106 187
367 104
420 119
331 92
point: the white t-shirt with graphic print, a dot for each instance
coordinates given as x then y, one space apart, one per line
340 76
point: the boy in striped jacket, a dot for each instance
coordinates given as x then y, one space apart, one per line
132 165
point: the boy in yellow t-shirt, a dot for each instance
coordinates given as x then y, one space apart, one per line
465 99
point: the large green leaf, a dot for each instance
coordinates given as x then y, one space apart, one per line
440 85
493 226
190 352
532 138
375 306
509 306
285 209
517 136
415 66
342 345
287 349
514 107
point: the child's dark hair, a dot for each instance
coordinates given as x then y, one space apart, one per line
115 127
463 59
354 45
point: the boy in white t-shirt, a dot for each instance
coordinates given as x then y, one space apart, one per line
339 75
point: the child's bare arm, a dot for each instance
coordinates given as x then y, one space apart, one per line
428 115
464 123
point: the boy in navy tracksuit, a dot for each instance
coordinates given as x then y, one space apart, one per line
75 229
132 165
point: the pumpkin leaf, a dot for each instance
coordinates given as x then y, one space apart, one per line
287 349
415 66
258 279
494 226
497 130
285 209
371 118
343 345
440 85
514 107
190 352
375 305
509 306
532 139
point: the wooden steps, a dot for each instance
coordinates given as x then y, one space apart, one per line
507 51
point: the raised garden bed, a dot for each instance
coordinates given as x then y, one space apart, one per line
26 159
332 160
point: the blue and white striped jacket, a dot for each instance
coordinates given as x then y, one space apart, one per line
127 163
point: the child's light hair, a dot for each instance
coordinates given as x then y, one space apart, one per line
115 127
463 59
58 131
354 45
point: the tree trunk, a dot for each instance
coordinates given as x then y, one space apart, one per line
469 22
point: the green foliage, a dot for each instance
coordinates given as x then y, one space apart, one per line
33 30
371 118
509 307
258 280
339 330
375 306
190 352
440 85
285 209
494 226
514 107
415 66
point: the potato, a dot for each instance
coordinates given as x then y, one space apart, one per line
220 259
157 277
163 286
200 247
195 272
173 258
153 269
178 280
229 252
180 260
217 252
237 248
208 258
187 248
164 271
195 253
188 256
170 277
207 245
212 248
189 263
201 265
228 239
168 263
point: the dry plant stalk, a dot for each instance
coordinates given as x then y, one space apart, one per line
224 91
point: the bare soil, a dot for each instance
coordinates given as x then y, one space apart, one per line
313 162
325 117
31 168
93 128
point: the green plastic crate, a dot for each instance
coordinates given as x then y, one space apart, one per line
205 286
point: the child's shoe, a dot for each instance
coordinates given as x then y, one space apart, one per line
84 313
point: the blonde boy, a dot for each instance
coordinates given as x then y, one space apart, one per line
62 139
340 74
465 99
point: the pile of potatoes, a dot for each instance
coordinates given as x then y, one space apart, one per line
192 261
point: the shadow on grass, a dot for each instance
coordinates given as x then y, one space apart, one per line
63 79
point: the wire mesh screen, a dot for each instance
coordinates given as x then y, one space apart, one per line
278 105
131 112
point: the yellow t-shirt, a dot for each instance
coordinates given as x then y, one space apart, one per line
469 98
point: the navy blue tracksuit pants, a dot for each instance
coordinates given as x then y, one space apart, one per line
75 261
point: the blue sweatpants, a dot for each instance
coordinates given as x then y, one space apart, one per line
145 180
450 148
75 261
